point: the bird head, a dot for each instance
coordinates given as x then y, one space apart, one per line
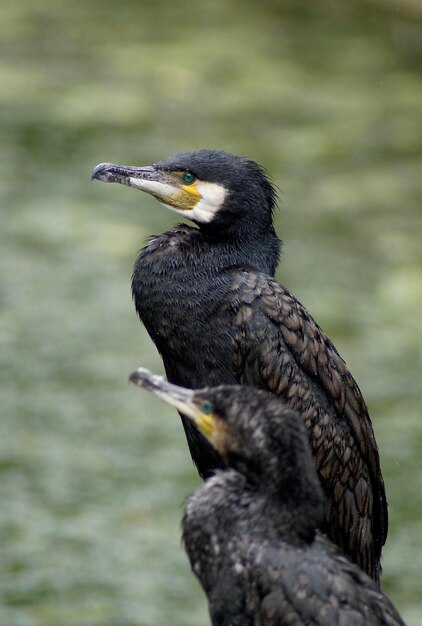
212 188
250 428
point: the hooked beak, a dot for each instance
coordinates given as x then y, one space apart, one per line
180 397
146 178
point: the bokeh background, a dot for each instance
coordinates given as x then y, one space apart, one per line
327 96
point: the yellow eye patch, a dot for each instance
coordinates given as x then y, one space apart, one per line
205 424
192 190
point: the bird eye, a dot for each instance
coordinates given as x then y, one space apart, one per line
207 408
188 177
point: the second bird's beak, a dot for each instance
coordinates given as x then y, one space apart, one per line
180 397
166 186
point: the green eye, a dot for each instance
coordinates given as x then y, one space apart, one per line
207 408
188 177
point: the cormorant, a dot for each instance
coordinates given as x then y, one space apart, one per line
209 301
250 531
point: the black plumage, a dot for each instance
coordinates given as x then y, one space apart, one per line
209 301
250 531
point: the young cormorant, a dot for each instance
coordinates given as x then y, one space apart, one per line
250 531
209 301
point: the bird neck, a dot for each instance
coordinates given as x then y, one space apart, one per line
245 246
268 508
297 507
289 487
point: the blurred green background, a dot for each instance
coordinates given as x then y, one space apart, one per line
328 97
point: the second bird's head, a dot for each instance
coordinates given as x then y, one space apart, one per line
251 429
214 189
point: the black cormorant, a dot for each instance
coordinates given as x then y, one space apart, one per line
209 301
251 530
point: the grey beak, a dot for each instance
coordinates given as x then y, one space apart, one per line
112 173
180 397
